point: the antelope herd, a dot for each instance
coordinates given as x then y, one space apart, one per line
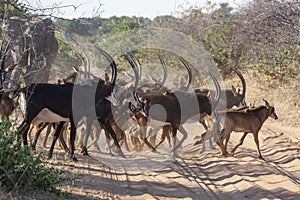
124 110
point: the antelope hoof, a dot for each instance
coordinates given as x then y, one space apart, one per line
33 147
85 154
84 151
68 151
120 153
226 154
49 156
260 157
74 158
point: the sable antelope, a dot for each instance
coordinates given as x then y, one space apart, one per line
121 137
155 89
124 95
233 98
174 116
107 114
247 121
214 127
58 102
8 102
70 79
233 95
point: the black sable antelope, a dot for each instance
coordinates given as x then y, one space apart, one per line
233 95
155 89
61 104
172 109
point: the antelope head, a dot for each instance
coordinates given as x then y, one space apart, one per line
271 110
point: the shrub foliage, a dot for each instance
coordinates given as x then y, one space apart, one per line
19 169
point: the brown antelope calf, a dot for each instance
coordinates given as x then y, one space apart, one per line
212 129
247 121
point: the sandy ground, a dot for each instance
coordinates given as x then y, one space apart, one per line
192 175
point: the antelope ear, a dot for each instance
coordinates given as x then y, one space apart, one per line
233 89
266 103
209 95
106 78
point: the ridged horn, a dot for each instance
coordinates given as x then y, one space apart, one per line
112 64
134 67
164 68
136 62
218 89
186 65
242 80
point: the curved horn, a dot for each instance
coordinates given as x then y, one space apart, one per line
136 62
242 80
112 65
186 65
164 68
133 65
87 66
218 89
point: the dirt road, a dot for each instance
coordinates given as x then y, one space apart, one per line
192 175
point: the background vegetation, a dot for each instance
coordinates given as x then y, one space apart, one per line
262 36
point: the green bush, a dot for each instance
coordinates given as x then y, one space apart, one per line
21 170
